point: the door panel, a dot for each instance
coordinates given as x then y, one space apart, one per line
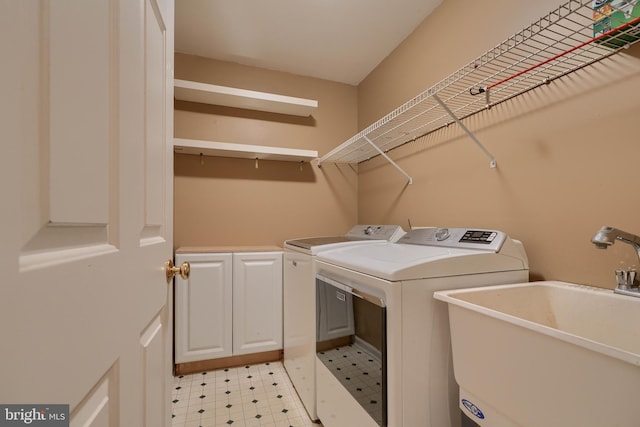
81 130
153 365
155 128
99 407
86 116
66 218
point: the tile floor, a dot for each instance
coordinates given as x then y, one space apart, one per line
254 395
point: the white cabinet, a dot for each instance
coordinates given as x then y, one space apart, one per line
204 308
230 305
257 302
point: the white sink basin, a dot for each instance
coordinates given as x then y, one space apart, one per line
546 354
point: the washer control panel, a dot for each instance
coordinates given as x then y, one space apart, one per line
479 236
466 238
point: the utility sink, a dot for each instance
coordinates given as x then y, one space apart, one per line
546 354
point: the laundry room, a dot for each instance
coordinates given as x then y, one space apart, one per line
489 118
303 213
565 152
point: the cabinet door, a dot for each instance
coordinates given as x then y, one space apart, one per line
203 308
257 302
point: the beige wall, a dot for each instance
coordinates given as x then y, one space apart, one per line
567 153
228 201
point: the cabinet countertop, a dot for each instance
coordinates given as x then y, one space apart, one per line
225 249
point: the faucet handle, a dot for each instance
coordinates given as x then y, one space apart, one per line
621 279
631 277
625 279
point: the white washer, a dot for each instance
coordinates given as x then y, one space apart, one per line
299 301
393 283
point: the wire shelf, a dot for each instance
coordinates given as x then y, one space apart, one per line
567 39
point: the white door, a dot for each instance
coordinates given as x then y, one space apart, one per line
86 167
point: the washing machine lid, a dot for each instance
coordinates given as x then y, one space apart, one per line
309 242
357 234
410 261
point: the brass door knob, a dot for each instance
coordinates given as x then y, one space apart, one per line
172 270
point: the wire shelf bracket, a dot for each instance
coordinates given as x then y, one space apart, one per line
394 164
492 160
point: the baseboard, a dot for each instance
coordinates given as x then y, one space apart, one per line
227 362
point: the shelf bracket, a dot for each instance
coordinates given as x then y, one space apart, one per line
492 159
383 154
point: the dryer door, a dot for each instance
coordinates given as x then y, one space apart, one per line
352 343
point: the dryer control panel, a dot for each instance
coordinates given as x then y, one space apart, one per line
466 238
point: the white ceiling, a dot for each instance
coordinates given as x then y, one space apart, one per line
338 40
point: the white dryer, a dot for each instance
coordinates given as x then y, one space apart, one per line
299 301
383 351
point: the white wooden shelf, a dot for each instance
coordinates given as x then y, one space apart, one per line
185 90
242 151
564 41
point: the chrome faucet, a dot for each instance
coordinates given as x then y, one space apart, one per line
606 237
